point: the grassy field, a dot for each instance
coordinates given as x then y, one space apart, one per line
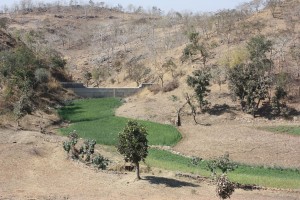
268 177
95 118
292 130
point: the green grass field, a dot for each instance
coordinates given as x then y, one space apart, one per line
292 130
268 177
95 118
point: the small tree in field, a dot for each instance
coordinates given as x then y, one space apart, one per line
133 144
200 82
225 187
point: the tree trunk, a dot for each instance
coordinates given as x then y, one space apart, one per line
257 105
178 120
137 164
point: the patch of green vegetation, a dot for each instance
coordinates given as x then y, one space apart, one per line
263 176
95 118
292 130
169 161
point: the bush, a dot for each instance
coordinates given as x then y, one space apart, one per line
58 62
23 106
225 188
100 162
42 75
171 86
86 152
88 149
223 163
53 85
155 88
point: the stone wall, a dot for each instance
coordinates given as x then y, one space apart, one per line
82 91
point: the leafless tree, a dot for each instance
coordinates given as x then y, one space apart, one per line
256 4
273 5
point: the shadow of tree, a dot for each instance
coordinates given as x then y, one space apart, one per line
71 110
168 182
267 111
220 109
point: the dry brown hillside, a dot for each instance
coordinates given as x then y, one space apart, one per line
121 48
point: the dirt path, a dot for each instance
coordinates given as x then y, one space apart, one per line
34 166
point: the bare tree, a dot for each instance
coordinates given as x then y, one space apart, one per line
273 5
256 4
137 72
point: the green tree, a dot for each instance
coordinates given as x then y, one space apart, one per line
249 86
200 82
277 103
250 81
258 47
133 144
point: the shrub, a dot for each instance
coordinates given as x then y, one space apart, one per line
155 88
42 75
223 163
53 85
23 106
171 86
58 62
196 161
86 152
88 149
113 81
225 188
100 162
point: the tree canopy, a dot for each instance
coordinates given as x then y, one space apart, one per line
133 144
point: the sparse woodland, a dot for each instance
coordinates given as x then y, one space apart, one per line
106 46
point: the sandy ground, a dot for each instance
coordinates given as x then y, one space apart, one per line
35 166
